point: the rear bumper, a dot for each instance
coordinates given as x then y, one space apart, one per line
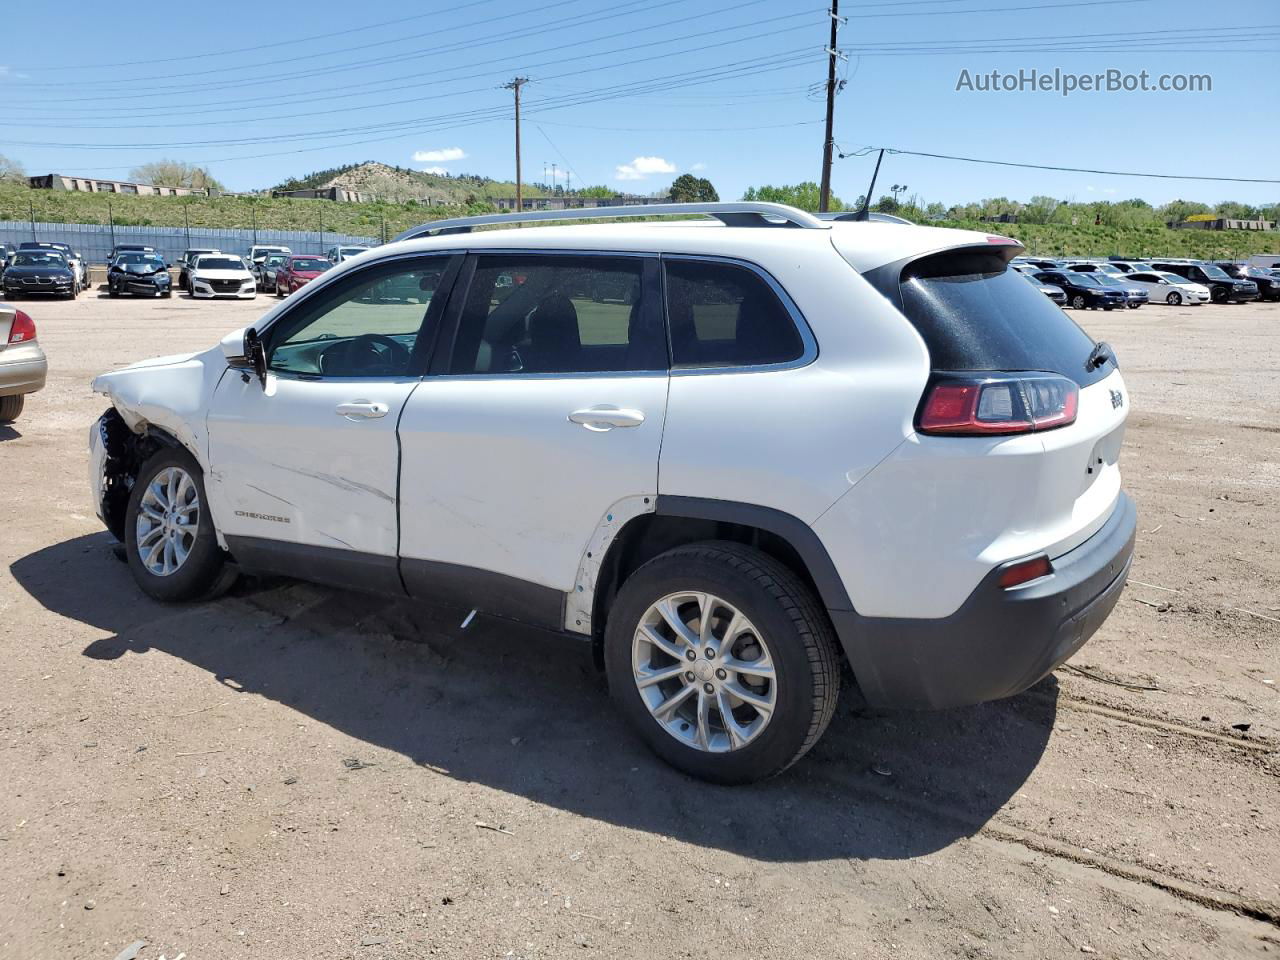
23 376
1000 642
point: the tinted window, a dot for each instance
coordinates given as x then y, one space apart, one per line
975 315
558 314
725 315
367 327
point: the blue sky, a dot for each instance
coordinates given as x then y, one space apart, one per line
632 92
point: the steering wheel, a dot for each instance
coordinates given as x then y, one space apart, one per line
365 355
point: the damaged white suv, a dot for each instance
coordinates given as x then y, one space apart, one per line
730 454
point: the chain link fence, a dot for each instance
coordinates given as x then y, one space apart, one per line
94 241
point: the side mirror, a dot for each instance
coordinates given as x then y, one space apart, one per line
244 350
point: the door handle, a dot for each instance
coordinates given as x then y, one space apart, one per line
361 410
606 417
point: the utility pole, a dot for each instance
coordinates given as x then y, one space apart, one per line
515 84
555 179
31 208
828 144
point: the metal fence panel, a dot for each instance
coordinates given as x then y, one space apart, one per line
95 240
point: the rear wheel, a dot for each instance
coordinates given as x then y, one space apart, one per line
173 550
723 661
10 407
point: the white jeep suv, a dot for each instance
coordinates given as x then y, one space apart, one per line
729 454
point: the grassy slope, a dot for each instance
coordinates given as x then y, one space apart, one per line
367 219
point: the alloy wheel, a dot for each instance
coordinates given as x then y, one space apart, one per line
168 521
704 672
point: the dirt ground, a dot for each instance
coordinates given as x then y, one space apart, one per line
296 773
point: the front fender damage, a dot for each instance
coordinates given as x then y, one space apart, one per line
157 403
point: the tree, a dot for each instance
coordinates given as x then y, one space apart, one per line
600 192
175 173
802 195
687 188
11 171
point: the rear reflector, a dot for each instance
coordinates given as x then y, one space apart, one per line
23 328
1007 403
1024 572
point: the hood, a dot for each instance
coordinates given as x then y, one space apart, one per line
141 269
202 274
38 271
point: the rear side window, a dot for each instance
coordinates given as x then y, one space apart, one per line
559 314
973 314
725 315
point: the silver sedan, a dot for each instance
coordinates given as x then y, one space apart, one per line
23 367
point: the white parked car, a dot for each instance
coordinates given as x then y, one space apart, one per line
1164 287
221 275
728 455
338 255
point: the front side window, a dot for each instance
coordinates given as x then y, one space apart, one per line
368 326
726 315
558 314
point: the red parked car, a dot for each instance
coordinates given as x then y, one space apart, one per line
297 271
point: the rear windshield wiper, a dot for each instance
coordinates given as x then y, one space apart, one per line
1099 355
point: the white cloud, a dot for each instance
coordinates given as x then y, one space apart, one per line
439 156
698 167
642 167
438 171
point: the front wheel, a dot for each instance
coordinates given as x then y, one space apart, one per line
1219 295
1078 302
1174 299
169 537
723 661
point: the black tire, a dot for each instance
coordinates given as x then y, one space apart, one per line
799 637
205 570
1219 295
167 294
1174 299
11 407
112 291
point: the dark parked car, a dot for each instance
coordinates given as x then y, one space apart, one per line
139 273
1083 290
1135 296
1267 282
120 248
1223 288
1056 294
264 271
39 271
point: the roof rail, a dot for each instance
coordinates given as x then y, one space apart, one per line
742 214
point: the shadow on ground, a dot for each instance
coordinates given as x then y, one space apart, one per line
8 433
403 677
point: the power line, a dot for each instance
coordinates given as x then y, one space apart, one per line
863 151
291 42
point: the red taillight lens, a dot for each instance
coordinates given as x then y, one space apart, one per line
1001 404
23 328
1025 571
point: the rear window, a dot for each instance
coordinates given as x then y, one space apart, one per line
974 314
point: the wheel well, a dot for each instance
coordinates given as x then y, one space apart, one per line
650 534
126 453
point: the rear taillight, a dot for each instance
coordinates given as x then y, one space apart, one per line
1003 403
23 328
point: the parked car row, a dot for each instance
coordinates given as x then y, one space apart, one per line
1132 283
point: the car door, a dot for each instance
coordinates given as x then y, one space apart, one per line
540 424
304 465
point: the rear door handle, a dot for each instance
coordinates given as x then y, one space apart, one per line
361 410
604 417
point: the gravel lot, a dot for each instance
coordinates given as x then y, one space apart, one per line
297 773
